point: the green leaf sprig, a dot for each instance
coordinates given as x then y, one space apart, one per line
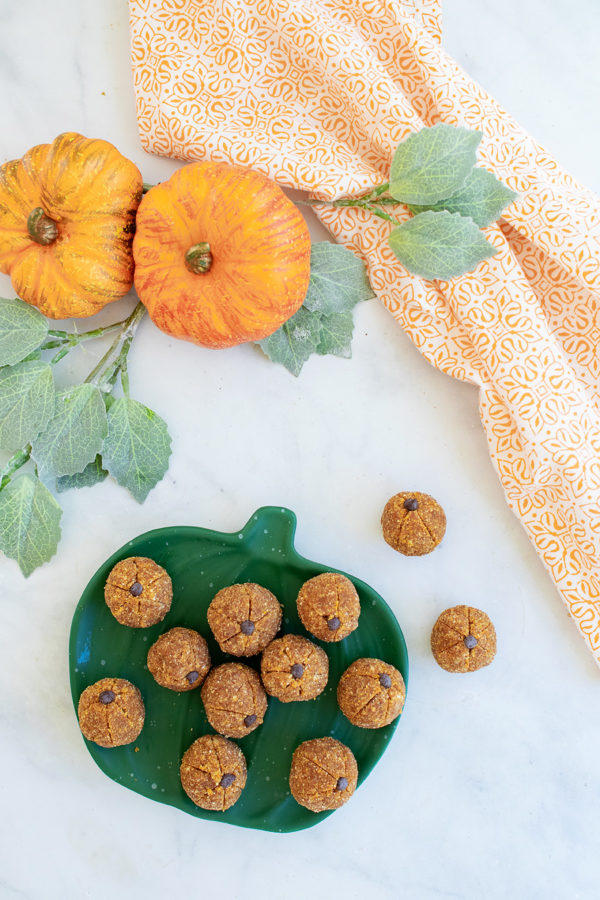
75 437
433 173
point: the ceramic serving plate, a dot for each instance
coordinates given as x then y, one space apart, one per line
200 562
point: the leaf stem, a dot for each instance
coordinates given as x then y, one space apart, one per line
67 340
369 203
17 460
105 373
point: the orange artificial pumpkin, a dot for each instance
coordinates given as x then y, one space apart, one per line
67 217
221 255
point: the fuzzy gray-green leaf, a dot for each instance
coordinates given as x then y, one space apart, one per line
29 522
296 340
74 434
93 474
137 447
22 330
338 279
336 335
482 197
433 164
26 402
439 245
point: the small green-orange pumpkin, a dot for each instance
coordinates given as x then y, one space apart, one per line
222 256
67 217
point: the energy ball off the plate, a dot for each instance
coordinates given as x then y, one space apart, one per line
293 668
413 523
328 606
234 700
463 639
179 660
244 618
323 774
111 712
371 693
138 592
213 772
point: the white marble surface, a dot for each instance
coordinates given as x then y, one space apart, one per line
489 788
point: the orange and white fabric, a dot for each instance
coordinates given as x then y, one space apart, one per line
317 94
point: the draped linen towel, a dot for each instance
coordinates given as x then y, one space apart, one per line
317 94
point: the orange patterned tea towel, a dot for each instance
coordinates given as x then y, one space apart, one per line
317 94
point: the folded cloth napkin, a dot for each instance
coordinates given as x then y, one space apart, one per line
317 94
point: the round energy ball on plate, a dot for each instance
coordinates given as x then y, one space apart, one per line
138 592
293 668
244 618
213 772
328 606
179 660
371 693
234 700
323 774
111 712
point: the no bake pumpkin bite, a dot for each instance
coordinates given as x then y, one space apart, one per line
213 772
111 712
138 592
413 523
234 700
328 606
179 660
463 639
371 693
244 618
323 774
293 668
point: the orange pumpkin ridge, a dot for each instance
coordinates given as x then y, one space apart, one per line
67 217
259 248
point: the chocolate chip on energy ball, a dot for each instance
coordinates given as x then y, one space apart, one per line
297 670
470 642
411 503
192 677
247 627
106 696
334 623
385 680
227 780
342 784
136 589
250 720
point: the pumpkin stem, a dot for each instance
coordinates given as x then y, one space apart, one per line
199 259
41 227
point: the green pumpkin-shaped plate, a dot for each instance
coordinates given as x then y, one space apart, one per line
201 562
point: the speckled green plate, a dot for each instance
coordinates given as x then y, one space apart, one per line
200 562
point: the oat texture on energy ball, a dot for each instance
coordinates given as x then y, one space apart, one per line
293 668
244 618
111 712
463 639
328 606
323 774
179 660
413 523
234 700
213 772
371 693
138 592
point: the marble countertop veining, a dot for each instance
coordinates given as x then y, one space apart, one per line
489 788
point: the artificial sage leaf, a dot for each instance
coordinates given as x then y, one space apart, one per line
482 197
29 522
433 164
137 447
336 335
295 341
22 330
338 279
439 245
26 402
93 474
75 432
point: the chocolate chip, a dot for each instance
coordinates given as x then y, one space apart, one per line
247 627
193 676
249 720
297 670
342 784
411 503
106 696
136 589
385 680
470 641
334 623
227 780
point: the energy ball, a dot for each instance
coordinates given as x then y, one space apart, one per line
463 639
234 700
293 668
138 592
413 523
371 693
213 772
244 618
329 607
323 774
111 712
179 660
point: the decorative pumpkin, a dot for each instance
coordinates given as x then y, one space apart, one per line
221 255
67 217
